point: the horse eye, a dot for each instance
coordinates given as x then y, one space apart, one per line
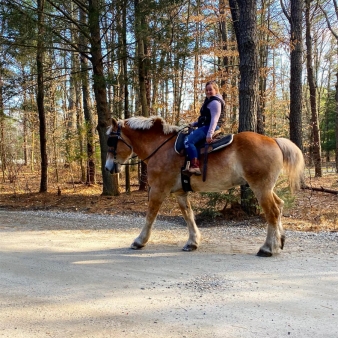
111 142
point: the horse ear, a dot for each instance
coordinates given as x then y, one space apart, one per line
113 122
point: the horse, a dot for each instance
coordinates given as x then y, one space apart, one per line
253 159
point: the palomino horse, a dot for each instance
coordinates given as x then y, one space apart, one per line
251 158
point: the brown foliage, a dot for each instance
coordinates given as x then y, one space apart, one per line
311 210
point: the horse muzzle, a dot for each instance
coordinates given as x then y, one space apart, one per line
113 167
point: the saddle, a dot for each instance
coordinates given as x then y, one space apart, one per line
221 141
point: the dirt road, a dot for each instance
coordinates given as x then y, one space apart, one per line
73 275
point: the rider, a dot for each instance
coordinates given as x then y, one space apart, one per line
210 119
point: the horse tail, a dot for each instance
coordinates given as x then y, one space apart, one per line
293 161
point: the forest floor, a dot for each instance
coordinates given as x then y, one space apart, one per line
66 269
308 211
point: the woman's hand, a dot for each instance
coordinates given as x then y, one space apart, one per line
209 140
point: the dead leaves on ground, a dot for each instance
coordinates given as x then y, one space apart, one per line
311 210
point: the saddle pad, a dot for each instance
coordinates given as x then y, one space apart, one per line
221 143
218 144
179 143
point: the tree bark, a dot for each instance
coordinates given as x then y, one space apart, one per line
2 129
140 27
99 84
296 94
87 107
336 128
40 97
321 189
263 65
336 94
125 81
317 160
244 16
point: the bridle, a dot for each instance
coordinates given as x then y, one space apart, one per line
113 138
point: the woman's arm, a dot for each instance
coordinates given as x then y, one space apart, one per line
215 108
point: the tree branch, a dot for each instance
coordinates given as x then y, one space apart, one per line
321 189
285 11
328 23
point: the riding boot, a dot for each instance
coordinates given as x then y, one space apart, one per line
195 167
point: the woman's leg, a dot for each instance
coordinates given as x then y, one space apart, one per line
194 137
189 143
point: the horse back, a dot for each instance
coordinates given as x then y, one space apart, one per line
254 156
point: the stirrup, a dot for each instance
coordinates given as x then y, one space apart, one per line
186 169
196 171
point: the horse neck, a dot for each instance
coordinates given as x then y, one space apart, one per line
145 142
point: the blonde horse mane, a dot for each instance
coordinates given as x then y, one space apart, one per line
140 122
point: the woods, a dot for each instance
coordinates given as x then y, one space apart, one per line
67 68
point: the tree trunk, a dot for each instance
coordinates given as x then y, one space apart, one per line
71 110
197 67
87 107
263 65
246 34
328 21
40 97
125 81
225 59
245 25
296 93
109 186
2 129
140 26
317 160
336 128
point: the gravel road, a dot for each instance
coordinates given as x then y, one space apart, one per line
73 275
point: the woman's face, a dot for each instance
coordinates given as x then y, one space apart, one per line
210 91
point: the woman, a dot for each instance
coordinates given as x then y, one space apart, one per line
211 118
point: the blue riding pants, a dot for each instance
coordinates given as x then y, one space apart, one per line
197 135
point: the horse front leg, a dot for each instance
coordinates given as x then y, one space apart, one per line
156 199
188 214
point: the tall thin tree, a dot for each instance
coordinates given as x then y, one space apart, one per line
295 19
40 96
335 34
313 94
244 16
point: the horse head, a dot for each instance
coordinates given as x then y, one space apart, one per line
119 148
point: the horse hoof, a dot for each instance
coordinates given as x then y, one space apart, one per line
136 246
189 247
282 241
263 253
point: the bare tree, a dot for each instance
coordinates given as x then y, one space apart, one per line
296 41
335 34
87 105
244 16
313 94
100 91
141 30
40 96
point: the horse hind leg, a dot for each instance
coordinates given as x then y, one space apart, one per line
280 205
188 214
271 205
